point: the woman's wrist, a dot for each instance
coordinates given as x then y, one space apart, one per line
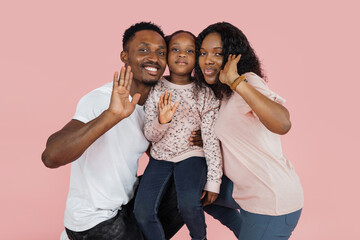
237 81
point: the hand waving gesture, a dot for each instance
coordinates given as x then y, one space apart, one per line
229 73
166 113
119 103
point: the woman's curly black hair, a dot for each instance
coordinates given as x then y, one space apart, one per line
233 42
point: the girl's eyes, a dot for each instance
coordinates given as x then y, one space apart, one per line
143 50
175 50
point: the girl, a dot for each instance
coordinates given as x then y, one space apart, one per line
250 120
167 126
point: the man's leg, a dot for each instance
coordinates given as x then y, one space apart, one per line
168 212
225 209
122 227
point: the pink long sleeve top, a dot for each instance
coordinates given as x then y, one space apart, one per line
170 142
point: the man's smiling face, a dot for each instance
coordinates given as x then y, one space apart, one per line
145 53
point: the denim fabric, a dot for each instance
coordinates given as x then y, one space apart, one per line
124 226
189 177
225 209
265 227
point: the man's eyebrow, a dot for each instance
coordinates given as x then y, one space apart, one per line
148 44
144 43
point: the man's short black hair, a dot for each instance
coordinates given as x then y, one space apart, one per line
130 32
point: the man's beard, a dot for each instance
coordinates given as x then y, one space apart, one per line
150 83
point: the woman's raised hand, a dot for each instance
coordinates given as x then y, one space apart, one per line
229 73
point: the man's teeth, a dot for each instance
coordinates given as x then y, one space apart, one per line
151 69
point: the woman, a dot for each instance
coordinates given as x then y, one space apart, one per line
251 117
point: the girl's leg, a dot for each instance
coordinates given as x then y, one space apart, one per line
152 187
265 227
190 178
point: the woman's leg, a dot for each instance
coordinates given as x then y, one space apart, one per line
152 187
190 178
266 227
225 209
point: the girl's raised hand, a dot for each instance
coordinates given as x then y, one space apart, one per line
229 73
166 112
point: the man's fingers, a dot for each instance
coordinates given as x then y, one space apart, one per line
130 81
122 76
196 133
116 80
127 76
135 99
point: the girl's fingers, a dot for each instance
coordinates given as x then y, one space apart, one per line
175 107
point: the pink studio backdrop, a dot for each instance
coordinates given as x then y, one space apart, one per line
53 52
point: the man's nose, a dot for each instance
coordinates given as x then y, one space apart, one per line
153 57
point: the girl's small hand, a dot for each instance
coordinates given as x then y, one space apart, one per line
210 197
166 113
229 73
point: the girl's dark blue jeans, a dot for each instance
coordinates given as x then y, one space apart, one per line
189 178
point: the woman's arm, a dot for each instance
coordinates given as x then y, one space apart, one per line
273 115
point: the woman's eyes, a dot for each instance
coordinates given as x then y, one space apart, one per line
202 54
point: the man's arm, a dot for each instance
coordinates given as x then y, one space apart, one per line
68 144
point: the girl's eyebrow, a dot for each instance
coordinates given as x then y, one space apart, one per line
179 44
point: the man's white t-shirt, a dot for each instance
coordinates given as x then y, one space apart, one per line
104 177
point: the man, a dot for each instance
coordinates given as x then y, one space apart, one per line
105 138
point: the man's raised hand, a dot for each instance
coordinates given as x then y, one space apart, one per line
120 105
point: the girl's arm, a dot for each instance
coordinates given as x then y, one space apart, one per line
273 115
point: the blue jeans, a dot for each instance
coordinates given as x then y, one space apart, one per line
225 209
266 227
189 177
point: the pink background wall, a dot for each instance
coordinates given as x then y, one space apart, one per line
53 52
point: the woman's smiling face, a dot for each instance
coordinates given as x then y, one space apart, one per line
211 57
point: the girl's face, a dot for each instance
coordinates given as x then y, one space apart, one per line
181 54
211 57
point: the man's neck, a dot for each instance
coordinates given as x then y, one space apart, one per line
138 87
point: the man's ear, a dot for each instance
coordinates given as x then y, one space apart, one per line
124 57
